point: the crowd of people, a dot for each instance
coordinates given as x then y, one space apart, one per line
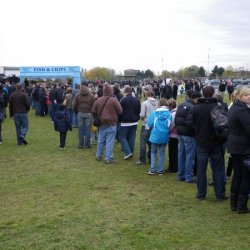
187 129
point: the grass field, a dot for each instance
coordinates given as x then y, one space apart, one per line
64 199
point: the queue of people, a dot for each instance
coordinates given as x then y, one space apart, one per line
187 129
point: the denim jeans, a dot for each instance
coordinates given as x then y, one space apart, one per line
154 149
84 121
127 136
70 115
144 136
21 123
37 108
216 158
74 120
106 136
186 155
53 110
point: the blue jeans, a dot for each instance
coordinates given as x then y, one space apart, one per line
53 110
37 108
186 155
106 135
127 136
70 115
154 149
21 123
216 161
84 121
74 120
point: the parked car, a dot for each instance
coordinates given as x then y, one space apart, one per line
246 82
215 83
237 82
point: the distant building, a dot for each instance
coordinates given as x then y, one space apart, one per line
131 72
9 71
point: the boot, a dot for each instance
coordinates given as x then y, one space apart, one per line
233 202
242 204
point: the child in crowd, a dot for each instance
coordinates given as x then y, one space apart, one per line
159 122
62 124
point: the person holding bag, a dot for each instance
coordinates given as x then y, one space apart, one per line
106 108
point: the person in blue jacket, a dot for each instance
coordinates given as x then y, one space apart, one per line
159 122
62 124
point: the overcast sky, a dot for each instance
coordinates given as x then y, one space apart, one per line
124 34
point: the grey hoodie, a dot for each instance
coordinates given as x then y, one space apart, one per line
147 107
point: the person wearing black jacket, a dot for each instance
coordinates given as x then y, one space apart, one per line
19 106
167 92
208 146
186 144
239 148
129 119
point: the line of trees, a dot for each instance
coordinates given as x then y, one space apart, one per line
102 73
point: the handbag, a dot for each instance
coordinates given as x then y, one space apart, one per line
97 121
65 102
246 162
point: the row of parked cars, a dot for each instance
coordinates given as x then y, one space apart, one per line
236 82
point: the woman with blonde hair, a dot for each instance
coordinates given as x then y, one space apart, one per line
239 148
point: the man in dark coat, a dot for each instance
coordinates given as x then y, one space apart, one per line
129 119
19 106
208 146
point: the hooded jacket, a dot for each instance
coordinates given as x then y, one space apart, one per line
111 110
61 122
84 101
147 107
159 122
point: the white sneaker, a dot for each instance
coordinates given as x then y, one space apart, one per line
151 173
128 156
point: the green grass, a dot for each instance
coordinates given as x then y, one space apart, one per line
64 199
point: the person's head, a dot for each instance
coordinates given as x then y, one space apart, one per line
149 94
218 97
116 88
208 91
148 88
171 103
162 102
127 90
19 87
235 94
69 90
190 93
244 95
107 90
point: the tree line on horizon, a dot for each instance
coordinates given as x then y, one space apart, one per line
98 73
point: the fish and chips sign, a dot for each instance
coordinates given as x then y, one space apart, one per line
73 72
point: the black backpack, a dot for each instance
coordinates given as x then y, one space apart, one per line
219 116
